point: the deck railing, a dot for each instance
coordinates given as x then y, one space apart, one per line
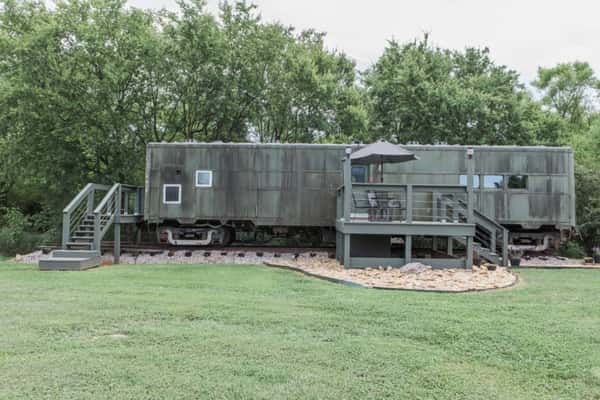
406 203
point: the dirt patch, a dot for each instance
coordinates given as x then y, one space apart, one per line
414 277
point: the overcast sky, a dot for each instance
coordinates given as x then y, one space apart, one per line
520 34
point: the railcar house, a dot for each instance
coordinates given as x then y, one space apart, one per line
447 204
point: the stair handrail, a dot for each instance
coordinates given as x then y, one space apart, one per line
503 241
504 232
105 213
77 209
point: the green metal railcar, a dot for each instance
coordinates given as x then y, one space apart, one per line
206 193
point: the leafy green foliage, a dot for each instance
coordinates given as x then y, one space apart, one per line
569 90
572 249
85 85
422 93
16 233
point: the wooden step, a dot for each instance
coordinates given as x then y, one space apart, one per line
75 253
69 263
84 233
84 238
80 245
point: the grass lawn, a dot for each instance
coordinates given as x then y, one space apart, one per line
251 332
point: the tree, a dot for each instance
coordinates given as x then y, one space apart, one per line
422 93
70 107
569 90
309 93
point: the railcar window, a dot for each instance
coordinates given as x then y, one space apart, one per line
517 182
359 174
172 194
463 180
493 181
203 178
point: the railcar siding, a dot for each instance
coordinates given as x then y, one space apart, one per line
295 185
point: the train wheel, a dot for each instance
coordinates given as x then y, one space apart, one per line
228 236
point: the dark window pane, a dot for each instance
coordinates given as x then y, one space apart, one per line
493 181
517 182
359 174
172 194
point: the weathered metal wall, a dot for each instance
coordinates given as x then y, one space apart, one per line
266 184
294 185
549 198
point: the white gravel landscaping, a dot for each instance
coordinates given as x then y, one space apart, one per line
190 257
413 276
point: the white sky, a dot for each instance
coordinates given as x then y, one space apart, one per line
520 34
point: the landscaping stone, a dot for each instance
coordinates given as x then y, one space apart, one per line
453 280
414 268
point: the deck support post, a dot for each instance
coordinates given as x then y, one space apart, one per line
450 246
125 203
409 204
470 194
66 225
505 247
407 249
469 258
347 263
117 244
117 222
434 243
347 185
435 207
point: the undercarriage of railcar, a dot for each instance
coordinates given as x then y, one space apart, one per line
210 233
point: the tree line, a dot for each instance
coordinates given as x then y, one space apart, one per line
86 84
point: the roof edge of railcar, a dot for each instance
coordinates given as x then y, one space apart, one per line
340 146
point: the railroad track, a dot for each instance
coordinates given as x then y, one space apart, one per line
156 248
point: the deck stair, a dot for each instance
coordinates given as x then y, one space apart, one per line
71 260
491 238
88 218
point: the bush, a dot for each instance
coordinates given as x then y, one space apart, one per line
14 234
572 250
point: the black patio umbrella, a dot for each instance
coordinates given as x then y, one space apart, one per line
381 152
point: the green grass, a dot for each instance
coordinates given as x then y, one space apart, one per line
252 332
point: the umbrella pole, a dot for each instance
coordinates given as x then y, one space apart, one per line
381 173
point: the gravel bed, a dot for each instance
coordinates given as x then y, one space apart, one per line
452 280
552 261
191 257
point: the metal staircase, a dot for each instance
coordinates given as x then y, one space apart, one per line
491 238
88 218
